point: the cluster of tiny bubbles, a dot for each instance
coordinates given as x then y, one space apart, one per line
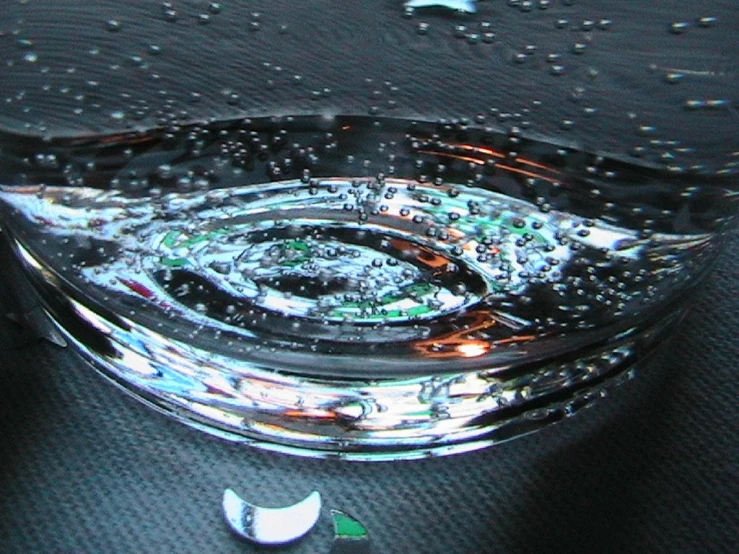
26 46
675 77
478 32
380 95
681 27
254 21
169 12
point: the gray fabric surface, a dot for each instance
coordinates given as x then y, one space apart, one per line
654 468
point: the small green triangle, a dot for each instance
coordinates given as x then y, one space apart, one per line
347 527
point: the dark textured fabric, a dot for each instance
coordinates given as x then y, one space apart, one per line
654 468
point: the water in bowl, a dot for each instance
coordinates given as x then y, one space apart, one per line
359 286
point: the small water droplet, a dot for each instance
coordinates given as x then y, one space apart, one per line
587 25
679 27
526 6
673 77
113 25
566 124
557 69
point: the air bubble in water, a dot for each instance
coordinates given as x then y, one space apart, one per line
113 25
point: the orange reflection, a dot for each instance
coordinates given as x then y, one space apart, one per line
473 349
455 156
425 257
127 138
313 414
490 152
526 173
461 343
498 154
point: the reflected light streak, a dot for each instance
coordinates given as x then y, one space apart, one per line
455 156
500 155
512 169
473 349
